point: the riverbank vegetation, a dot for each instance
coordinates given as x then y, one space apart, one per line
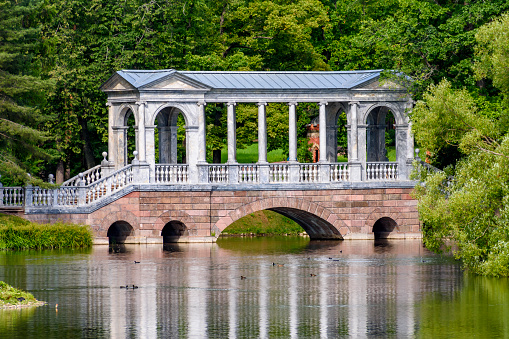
17 233
466 206
263 223
13 297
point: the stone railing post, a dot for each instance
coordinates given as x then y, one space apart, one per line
294 172
82 191
29 195
263 173
324 174
233 173
203 173
141 170
355 168
106 167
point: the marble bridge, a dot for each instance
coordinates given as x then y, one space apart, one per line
153 198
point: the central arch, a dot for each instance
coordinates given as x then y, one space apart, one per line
316 220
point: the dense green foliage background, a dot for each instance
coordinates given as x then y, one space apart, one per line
55 54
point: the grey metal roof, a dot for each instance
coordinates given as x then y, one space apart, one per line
257 80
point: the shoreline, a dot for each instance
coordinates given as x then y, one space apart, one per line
19 306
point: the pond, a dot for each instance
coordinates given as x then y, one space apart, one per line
285 287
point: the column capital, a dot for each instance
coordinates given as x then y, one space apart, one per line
261 103
201 103
231 103
351 103
293 103
323 103
109 104
139 103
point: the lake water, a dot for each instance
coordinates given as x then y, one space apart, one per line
293 288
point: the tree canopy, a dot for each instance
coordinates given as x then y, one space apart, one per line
467 205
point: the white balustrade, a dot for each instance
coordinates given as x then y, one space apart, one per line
309 173
12 196
67 196
42 197
381 171
218 174
171 174
90 176
339 172
279 173
109 185
248 174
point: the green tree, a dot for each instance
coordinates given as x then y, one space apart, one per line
22 92
471 210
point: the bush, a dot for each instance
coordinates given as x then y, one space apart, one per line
17 233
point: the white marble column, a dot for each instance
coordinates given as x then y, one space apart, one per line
353 142
164 144
120 139
232 133
112 149
323 132
173 144
292 128
141 143
262 133
202 133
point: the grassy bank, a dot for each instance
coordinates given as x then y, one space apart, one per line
11 297
263 223
17 233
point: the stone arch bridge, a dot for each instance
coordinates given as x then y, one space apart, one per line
155 198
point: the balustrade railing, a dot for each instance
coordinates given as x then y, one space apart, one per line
248 174
381 171
12 196
42 197
106 186
67 196
171 174
339 172
218 174
279 173
308 173
89 176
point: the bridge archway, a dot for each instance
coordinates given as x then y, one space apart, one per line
383 227
119 231
174 228
317 221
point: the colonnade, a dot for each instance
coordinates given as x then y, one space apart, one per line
365 129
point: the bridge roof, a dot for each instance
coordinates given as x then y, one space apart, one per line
291 80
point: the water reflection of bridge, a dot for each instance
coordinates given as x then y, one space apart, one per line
199 293
145 200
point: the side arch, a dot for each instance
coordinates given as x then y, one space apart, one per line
120 118
378 214
180 216
397 111
181 108
318 221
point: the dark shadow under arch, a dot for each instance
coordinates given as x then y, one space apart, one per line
383 227
119 231
174 229
316 227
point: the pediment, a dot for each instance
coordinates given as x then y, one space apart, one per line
375 84
176 82
117 83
